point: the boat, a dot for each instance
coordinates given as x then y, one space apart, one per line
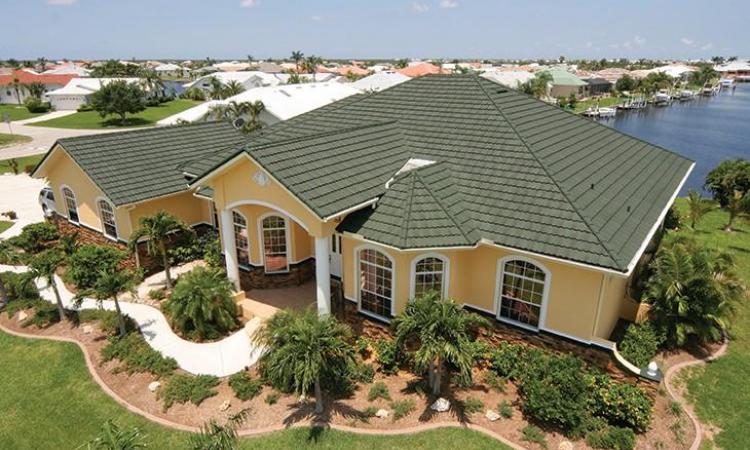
726 82
686 94
662 98
602 113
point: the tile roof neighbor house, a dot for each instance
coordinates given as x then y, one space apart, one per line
379 81
77 91
8 93
451 183
420 69
512 79
248 80
565 83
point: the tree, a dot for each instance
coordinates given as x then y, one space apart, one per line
738 204
201 304
572 101
217 89
697 207
248 111
157 229
8 255
626 83
119 98
232 88
42 63
537 86
401 63
705 75
297 58
214 436
692 291
311 64
442 331
36 89
151 83
305 351
18 87
727 179
112 437
44 265
108 286
115 69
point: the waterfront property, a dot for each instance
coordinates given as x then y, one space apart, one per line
453 184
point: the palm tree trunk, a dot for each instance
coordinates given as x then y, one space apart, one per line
120 318
60 309
728 228
438 376
165 259
318 397
431 374
3 292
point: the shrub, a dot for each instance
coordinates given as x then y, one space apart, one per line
505 409
36 105
495 381
108 320
272 398
480 351
378 390
387 356
244 386
621 404
85 107
640 344
193 93
362 346
472 405
212 253
190 247
675 408
11 215
672 220
45 314
613 438
368 413
88 261
531 433
157 294
402 408
188 388
512 361
136 356
19 286
362 373
35 237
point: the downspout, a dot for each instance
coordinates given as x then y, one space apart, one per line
605 278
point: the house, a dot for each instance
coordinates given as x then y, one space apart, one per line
512 79
675 70
379 81
565 83
248 80
170 70
735 69
453 184
77 91
68 69
232 66
597 86
13 84
420 69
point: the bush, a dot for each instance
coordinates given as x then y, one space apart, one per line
640 344
472 405
495 381
45 314
35 237
613 438
244 386
36 105
387 356
108 320
531 433
378 390
368 413
157 294
480 351
362 373
88 261
188 388
513 361
19 286
621 404
85 107
136 356
672 220
362 346
505 409
190 247
402 408
272 398
212 253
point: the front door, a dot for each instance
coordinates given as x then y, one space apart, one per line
335 247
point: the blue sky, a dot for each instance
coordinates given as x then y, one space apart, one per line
373 28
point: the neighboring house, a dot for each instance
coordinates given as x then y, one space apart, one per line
735 69
280 102
612 74
68 69
420 69
512 79
597 86
675 70
77 91
510 206
8 93
269 67
352 70
231 66
379 81
170 70
248 80
565 83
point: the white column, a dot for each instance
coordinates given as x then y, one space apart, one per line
323 275
229 248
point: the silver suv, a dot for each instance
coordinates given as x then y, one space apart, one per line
47 200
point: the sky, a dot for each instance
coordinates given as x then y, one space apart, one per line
234 29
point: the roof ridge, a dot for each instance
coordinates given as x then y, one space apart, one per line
407 215
439 201
143 129
544 168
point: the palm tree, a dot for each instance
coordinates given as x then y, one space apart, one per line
537 86
311 64
217 89
297 58
214 436
157 230
303 351
36 89
108 285
42 63
230 112
8 255
232 88
693 291
112 437
18 87
697 207
442 330
151 82
44 265
737 205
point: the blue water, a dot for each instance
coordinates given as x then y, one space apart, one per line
707 130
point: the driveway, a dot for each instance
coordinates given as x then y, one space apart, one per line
19 193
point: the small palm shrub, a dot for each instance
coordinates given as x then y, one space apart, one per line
136 356
201 305
112 437
45 314
362 372
612 438
244 386
88 261
378 390
215 436
640 344
272 398
534 434
472 405
387 356
402 408
505 409
19 286
108 320
35 237
187 388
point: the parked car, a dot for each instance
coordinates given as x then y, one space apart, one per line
47 200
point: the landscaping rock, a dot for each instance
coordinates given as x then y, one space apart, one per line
87 329
22 316
382 413
565 445
153 386
224 406
441 405
491 415
302 400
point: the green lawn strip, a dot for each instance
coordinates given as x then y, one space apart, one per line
17 112
92 119
720 391
4 225
48 400
583 105
10 139
23 162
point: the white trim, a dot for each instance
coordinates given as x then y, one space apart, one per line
267 205
565 335
353 208
545 294
101 218
232 211
65 203
358 278
486 311
262 245
446 272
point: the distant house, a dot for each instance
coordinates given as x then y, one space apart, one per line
735 69
513 79
379 81
232 66
248 80
170 70
612 74
269 67
77 91
675 70
352 70
24 77
565 83
597 86
420 69
68 69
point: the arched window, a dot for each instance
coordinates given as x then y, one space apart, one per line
376 282
107 213
522 292
241 242
274 229
430 275
70 204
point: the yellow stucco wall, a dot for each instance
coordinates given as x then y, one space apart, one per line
185 206
612 307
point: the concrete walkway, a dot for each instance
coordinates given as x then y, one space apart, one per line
19 193
222 358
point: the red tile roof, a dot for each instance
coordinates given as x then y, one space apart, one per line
26 77
420 69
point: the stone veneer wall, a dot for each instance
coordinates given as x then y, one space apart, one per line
257 278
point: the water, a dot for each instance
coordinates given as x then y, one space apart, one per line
707 130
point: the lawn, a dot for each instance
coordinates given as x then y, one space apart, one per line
22 162
45 386
17 112
10 139
4 225
720 391
583 105
92 119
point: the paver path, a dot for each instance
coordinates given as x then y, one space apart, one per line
222 358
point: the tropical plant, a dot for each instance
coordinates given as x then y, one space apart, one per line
304 352
89 260
35 237
112 437
194 93
217 91
692 291
738 204
697 207
44 265
151 82
640 343
36 89
311 63
18 87
42 63
248 111
729 183
8 255
537 86
442 332
626 83
232 88
297 58
119 98
214 436
108 285
201 304
705 75
157 229
68 243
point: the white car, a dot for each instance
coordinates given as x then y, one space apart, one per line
47 200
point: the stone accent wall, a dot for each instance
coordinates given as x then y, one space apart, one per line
257 278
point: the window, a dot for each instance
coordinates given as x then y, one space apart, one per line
522 286
274 244
429 276
376 282
109 224
70 204
241 241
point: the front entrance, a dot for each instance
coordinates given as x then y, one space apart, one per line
335 258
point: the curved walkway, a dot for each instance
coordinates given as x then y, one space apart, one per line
221 358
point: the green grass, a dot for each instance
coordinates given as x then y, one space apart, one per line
583 105
721 392
17 112
22 163
10 139
4 225
92 120
48 400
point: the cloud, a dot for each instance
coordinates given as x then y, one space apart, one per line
420 7
249 3
316 18
708 46
687 41
640 41
448 3
61 2
589 44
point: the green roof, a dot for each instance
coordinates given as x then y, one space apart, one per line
509 169
564 78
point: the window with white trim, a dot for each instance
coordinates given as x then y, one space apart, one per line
241 241
274 244
109 224
429 276
376 282
522 286
70 204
